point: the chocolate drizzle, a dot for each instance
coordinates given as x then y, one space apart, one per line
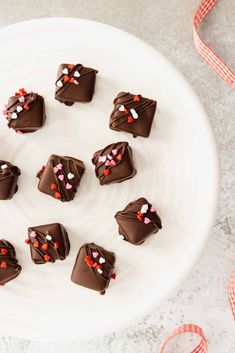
9 267
123 168
122 118
136 226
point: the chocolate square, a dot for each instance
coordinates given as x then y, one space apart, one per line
48 243
8 180
25 112
9 267
61 177
137 221
75 83
114 163
133 114
94 267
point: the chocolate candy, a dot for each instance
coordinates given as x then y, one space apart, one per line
8 180
48 243
9 267
133 114
75 83
94 267
61 177
114 163
25 111
138 221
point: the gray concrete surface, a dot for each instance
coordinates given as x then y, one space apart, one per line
167 26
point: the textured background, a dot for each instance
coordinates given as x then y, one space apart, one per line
167 26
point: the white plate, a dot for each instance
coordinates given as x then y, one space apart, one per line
177 170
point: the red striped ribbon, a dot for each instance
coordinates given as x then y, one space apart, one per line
212 59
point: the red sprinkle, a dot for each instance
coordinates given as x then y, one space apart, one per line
66 78
119 157
126 111
23 91
89 261
56 245
57 195
3 264
106 172
26 106
17 94
45 246
47 258
27 241
136 99
36 244
130 120
140 216
71 66
4 251
71 80
114 276
53 186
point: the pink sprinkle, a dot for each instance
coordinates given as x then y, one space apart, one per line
55 170
33 234
76 82
107 163
61 177
22 99
59 166
68 186
153 209
110 157
114 152
147 220
95 254
19 132
113 162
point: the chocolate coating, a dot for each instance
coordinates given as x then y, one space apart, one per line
75 83
61 177
48 243
9 267
114 163
136 226
93 267
133 114
25 112
8 180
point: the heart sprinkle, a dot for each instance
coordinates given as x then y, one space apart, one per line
68 186
45 246
153 209
139 216
114 276
99 270
70 176
119 157
130 120
95 254
33 234
26 106
27 241
121 108
19 108
102 159
134 113
107 163
47 258
4 251
56 245
114 152
61 177
101 260
76 82
3 264
14 115
113 162
53 186
110 157
136 99
36 244
57 195
71 66
3 166
55 170
65 71
76 74
71 80
22 99
106 172
59 83
147 220
144 208
66 78
59 166
48 237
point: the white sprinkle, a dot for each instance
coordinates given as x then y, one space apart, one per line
134 114
101 260
121 108
65 71
19 108
144 208
76 74
48 237
70 176
121 237
3 166
59 83
14 115
100 271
